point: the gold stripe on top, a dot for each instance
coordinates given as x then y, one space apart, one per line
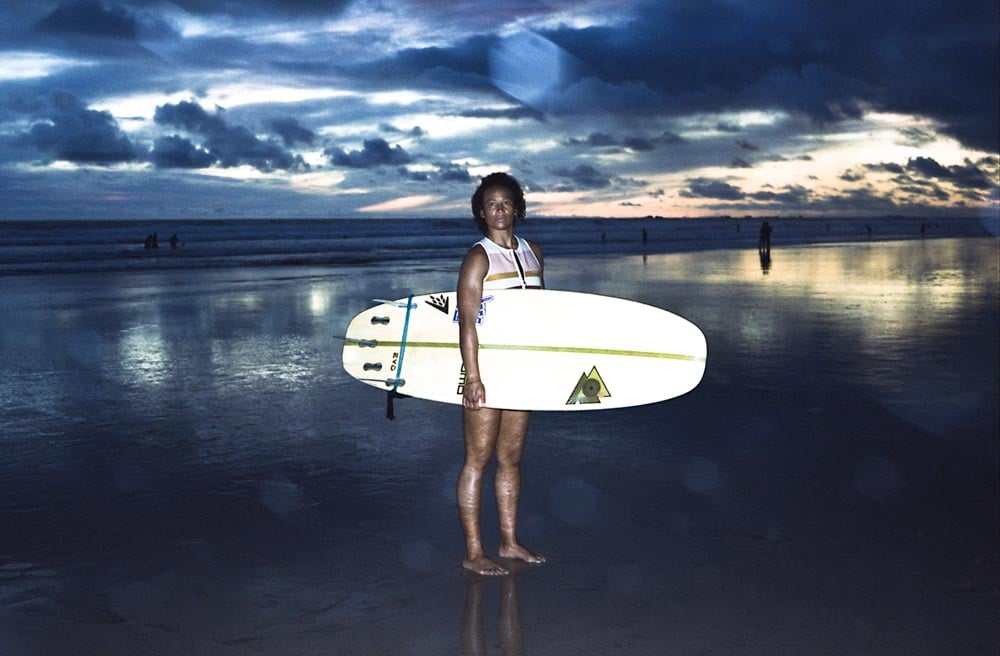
501 276
512 274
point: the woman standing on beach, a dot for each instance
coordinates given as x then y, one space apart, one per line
501 260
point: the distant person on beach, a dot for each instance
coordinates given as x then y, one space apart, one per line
173 240
764 242
645 236
500 260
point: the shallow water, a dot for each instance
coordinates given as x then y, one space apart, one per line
187 469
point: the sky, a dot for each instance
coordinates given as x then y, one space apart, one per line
368 108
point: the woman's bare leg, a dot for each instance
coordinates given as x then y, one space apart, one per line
510 449
482 427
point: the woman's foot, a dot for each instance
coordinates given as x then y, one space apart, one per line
517 552
483 566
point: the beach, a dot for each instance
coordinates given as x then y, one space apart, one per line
188 470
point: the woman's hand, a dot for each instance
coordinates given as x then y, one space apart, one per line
474 395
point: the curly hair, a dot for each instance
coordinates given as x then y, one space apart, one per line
509 183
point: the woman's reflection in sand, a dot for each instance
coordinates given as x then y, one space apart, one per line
509 623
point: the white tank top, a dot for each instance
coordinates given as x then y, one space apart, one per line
510 268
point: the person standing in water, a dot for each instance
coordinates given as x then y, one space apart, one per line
500 260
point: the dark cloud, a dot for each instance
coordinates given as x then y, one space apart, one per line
813 59
823 60
259 8
708 188
885 167
72 132
740 163
415 132
176 152
229 145
454 173
291 132
583 176
462 65
967 175
795 195
375 152
90 18
511 113
102 29
634 143
747 145
594 140
639 144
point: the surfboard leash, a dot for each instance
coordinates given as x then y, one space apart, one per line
392 394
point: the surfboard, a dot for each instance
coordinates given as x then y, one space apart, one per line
538 350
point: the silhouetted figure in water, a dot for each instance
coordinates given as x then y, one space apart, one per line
151 242
645 236
764 241
173 240
869 229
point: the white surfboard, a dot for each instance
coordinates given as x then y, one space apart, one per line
538 350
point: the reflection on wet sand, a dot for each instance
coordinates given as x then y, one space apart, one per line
510 625
765 262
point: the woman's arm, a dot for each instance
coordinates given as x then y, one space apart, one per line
470 296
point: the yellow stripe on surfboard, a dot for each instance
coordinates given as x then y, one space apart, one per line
547 349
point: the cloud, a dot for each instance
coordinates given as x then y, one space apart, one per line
594 140
708 188
639 144
228 145
790 195
101 29
583 176
910 56
175 152
291 132
90 18
511 113
260 8
886 167
71 132
968 175
634 143
454 173
375 152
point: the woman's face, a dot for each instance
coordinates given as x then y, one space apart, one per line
498 208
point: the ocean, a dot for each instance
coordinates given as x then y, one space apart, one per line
32 247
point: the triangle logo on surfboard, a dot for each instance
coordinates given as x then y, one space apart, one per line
589 389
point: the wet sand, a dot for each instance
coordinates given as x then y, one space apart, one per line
187 470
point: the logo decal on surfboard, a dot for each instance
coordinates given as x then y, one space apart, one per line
438 303
589 389
482 311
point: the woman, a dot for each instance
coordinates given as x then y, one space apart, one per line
500 260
